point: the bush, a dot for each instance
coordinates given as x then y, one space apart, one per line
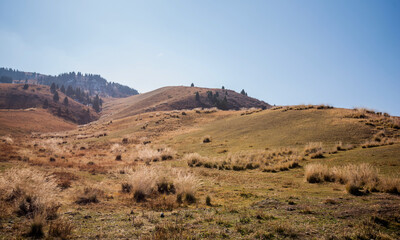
208 201
33 192
151 181
89 195
60 229
36 228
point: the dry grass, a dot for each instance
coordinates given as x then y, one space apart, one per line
32 192
148 154
89 195
356 177
266 160
147 182
314 150
60 229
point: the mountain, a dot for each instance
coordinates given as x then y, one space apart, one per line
24 96
92 83
179 97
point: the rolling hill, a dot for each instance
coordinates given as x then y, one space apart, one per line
14 96
178 98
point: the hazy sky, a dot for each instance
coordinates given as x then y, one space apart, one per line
344 53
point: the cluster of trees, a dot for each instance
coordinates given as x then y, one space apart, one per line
215 100
5 79
91 83
78 95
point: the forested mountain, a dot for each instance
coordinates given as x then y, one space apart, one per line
93 84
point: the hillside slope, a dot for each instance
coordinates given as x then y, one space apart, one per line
178 98
14 96
25 121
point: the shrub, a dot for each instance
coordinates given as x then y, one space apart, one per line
89 195
316 173
390 185
314 150
60 229
33 192
143 182
193 159
206 139
126 187
36 227
186 186
208 201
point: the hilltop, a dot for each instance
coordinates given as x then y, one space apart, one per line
178 98
92 83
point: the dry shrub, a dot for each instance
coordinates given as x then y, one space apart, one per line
89 195
61 229
377 141
316 173
390 185
152 181
268 161
186 186
143 182
117 148
356 177
206 139
31 191
314 150
7 139
194 159
36 227
339 146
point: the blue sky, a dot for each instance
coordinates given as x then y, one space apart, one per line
343 53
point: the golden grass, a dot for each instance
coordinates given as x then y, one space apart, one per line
152 181
356 177
314 150
266 160
32 191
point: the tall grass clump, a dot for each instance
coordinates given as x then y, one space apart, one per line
186 186
31 192
357 178
149 182
314 150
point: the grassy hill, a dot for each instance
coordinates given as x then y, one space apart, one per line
177 98
14 96
274 129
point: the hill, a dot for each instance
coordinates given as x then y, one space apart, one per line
14 96
178 98
25 121
92 83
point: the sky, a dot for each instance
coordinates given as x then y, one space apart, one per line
343 53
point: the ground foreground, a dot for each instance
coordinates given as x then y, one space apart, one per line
302 172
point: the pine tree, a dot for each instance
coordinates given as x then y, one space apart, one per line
59 111
53 88
26 86
197 96
65 101
243 92
223 87
45 104
96 103
62 89
192 85
56 97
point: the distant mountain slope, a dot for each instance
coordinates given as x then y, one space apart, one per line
14 96
92 83
176 98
